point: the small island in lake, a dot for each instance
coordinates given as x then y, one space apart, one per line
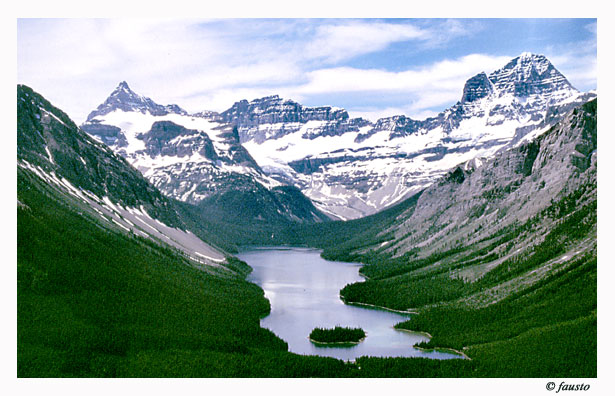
337 335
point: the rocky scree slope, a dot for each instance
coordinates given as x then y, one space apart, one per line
498 260
484 232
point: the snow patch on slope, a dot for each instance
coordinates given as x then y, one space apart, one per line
135 220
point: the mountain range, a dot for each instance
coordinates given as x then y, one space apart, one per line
348 167
480 221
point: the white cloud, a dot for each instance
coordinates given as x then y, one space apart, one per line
438 84
210 64
167 59
341 40
222 99
336 42
187 61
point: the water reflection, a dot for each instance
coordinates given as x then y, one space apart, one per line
303 290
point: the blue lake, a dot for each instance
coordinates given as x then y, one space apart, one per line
303 289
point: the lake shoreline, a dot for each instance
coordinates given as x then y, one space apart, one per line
338 343
304 293
408 312
436 349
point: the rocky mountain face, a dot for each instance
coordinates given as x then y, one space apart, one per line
348 167
125 99
285 117
186 156
48 139
59 161
361 167
189 157
509 189
494 256
529 75
500 226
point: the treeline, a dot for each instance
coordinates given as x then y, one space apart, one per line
339 239
396 283
546 329
97 303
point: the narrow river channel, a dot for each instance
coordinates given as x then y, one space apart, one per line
303 289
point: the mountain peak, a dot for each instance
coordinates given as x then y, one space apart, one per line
125 99
530 55
123 93
273 97
530 74
123 88
538 62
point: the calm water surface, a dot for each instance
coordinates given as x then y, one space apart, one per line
304 290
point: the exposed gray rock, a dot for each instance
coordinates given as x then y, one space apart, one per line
495 111
472 202
375 165
123 98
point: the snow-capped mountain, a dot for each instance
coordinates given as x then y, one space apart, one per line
125 99
189 157
281 117
349 167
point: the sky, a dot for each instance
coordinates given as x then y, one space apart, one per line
371 67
